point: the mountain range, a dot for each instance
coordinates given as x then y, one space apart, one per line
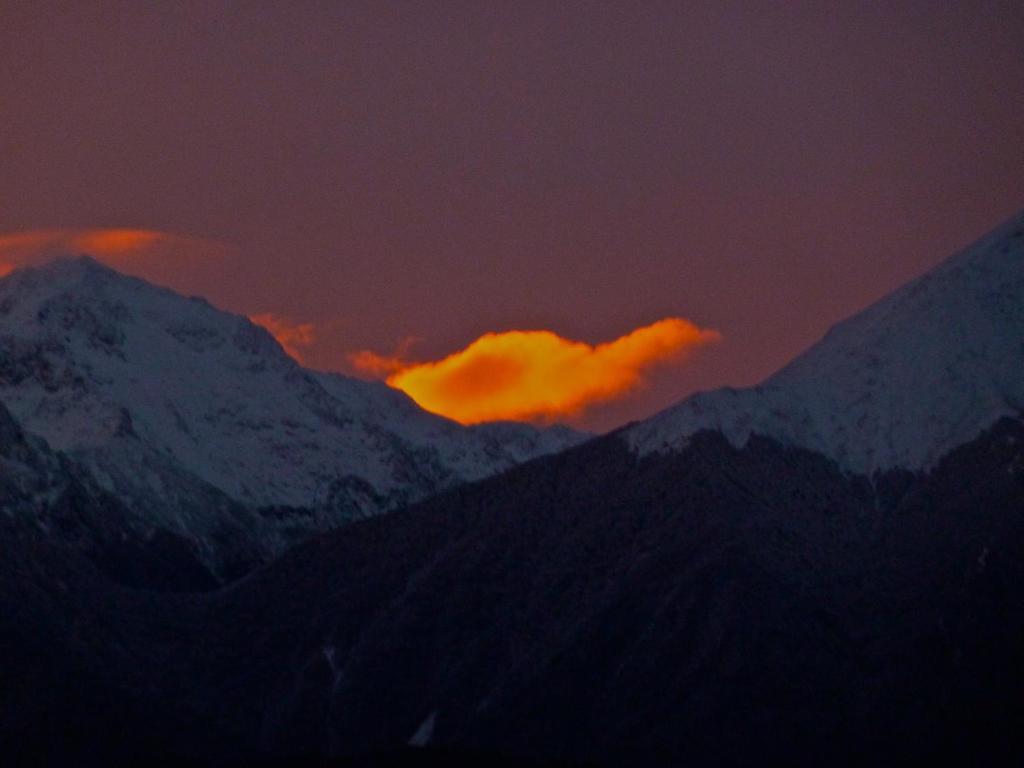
827 568
207 430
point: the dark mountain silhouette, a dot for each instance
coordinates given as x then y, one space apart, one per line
720 605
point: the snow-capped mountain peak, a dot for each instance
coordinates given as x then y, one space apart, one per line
168 400
899 384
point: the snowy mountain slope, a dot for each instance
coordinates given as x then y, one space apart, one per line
172 403
900 384
44 494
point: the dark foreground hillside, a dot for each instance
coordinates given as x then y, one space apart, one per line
713 606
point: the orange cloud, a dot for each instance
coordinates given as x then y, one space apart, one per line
148 253
293 337
110 242
6 269
376 365
536 375
24 248
186 264
380 366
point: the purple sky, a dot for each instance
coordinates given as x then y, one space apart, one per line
438 170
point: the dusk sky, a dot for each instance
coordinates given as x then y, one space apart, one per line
401 179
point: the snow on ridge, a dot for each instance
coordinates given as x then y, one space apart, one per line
147 387
900 384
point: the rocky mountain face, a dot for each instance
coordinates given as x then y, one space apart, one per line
200 423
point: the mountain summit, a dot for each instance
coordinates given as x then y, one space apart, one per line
898 385
181 409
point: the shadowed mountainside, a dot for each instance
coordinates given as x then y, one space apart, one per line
716 605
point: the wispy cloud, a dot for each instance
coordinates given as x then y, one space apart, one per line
294 337
132 250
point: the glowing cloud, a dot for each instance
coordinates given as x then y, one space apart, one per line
158 256
110 242
293 337
380 366
536 375
24 248
376 365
